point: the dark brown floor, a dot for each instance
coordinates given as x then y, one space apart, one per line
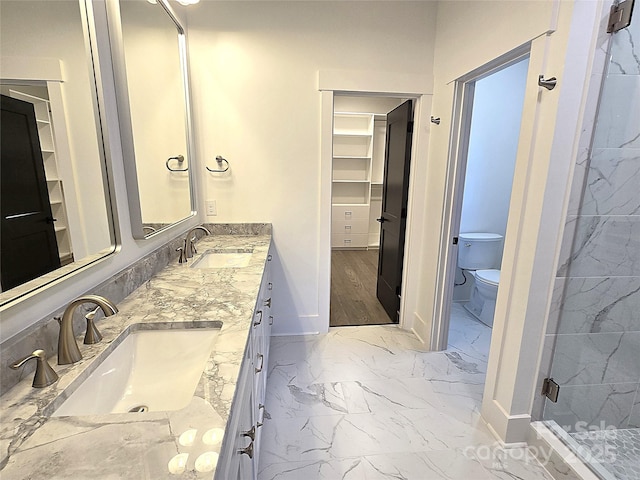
353 289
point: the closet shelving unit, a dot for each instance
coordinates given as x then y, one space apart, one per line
356 182
54 183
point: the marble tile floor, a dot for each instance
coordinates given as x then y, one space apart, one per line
618 451
363 403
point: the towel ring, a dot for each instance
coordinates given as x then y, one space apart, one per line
220 161
180 159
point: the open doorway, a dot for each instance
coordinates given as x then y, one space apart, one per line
365 130
492 113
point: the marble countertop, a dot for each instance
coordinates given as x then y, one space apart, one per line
142 445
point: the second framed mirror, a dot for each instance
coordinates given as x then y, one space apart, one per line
149 53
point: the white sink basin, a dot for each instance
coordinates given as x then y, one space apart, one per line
151 370
213 259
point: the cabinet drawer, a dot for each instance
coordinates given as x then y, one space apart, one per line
357 240
350 212
350 227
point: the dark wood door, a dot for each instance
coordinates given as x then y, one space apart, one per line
29 247
395 193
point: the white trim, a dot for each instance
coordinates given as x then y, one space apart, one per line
36 69
551 126
324 239
379 84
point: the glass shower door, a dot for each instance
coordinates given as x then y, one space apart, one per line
595 314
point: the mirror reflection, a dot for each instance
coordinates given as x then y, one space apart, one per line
156 91
54 207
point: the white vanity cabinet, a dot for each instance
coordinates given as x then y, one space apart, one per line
260 341
240 452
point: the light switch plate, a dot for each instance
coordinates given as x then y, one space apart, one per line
211 208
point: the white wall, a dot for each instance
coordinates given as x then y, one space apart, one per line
256 102
493 145
469 36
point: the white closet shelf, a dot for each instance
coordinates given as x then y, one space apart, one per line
351 157
351 133
349 181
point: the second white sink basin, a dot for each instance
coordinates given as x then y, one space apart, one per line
151 370
223 259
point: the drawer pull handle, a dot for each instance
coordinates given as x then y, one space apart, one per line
270 319
261 357
269 258
250 433
270 287
261 421
267 302
247 451
259 321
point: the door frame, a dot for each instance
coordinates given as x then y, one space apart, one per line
463 97
379 84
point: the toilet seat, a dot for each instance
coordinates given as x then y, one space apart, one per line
489 277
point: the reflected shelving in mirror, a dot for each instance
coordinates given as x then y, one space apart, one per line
55 130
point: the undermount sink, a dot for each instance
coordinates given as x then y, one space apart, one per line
223 259
150 370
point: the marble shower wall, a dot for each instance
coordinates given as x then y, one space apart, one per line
594 322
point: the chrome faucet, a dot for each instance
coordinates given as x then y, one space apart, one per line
189 241
68 351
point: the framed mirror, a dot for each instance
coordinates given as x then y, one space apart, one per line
55 204
149 54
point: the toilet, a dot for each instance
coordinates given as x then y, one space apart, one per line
479 254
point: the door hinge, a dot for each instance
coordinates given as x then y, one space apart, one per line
455 240
398 291
403 213
620 16
410 125
550 389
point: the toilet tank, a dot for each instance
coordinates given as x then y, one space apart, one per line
479 251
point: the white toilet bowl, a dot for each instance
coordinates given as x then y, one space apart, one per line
487 283
479 254
483 297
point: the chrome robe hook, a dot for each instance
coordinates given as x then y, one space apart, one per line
549 83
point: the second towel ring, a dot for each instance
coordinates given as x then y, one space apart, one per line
220 161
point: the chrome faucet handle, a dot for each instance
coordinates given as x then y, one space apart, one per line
194 251
183 255
45 375
92 334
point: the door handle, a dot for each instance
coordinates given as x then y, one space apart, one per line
381 219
